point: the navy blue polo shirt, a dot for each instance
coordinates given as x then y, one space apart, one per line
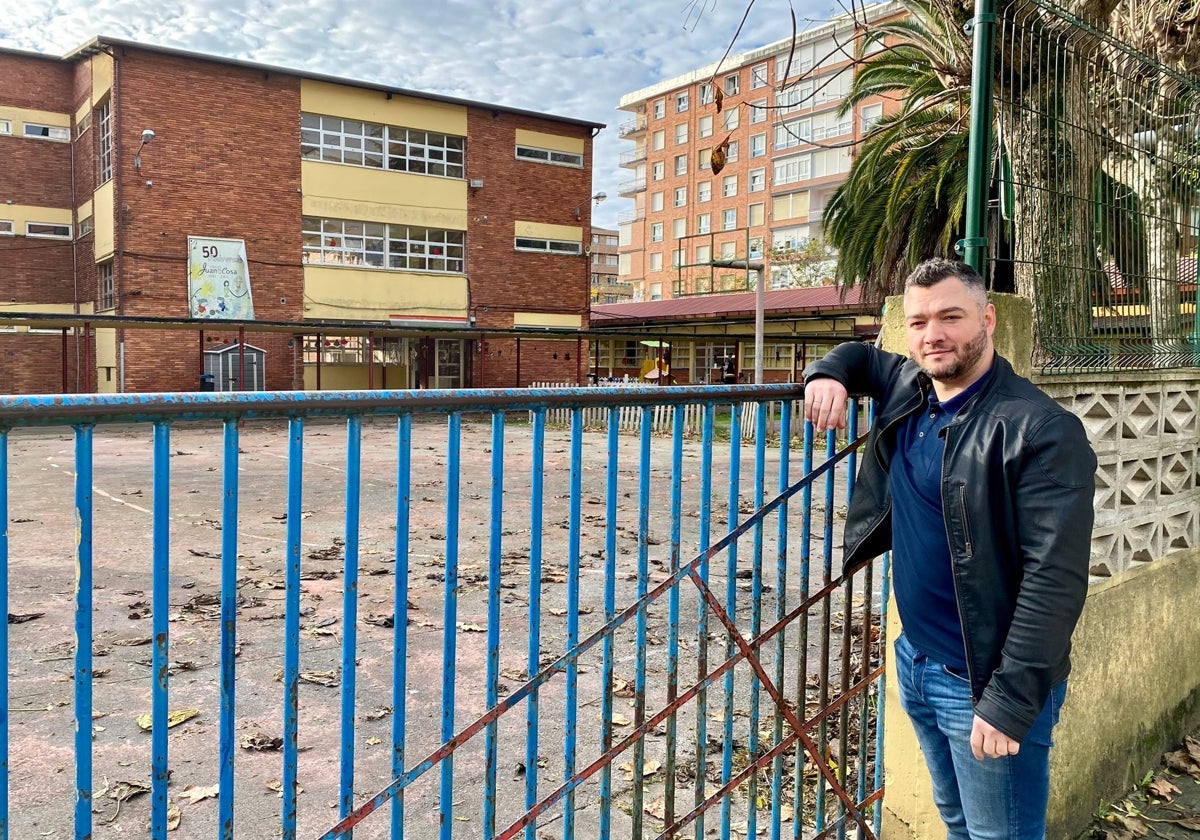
922 574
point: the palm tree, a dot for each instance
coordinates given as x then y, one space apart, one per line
904 197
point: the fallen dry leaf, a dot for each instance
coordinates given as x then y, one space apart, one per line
471 628
374 741
196 793
174 817
329 679
620 720
277 786
1163 789
622 688
146 722
657 809
260 741
649 768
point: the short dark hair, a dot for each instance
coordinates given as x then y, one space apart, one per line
936 269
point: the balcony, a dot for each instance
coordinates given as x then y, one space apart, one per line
633 187
629 128
633 157
627 217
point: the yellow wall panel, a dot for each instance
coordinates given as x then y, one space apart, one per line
375 106
554 142
336 191
19 214
84 210
377 295
102 77
564 233
32 115
103 203
547 319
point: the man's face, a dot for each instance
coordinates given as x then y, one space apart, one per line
949 333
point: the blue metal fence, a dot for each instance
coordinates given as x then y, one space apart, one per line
791 737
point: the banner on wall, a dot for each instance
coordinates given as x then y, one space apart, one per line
219 279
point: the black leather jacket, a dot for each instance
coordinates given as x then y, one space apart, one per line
1017 483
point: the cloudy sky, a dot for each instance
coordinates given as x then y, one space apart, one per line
573 58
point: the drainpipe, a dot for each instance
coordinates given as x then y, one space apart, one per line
973 247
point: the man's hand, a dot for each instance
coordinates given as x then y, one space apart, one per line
825 404
989 742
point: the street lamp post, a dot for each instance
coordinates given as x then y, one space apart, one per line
759 300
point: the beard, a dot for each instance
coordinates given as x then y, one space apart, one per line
963 362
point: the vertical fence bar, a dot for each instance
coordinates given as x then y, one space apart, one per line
781 538
4 520
735 463
400 615
291 625
706 443
826 619
610 608
673 608
802 642
572 677
83 632
161 605
639 687
450 628
756 593
229 595
536 504
493 623
350 613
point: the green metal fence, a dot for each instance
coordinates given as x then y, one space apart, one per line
1086 181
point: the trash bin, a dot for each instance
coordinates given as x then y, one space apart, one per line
208 382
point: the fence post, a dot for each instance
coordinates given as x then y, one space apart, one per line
973 247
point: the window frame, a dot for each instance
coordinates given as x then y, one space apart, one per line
681 101
731 84
68 228
65 132
681 164
377 246
704 126
726 182
533 155
758 145
104 131
660 108
704 93
11 231
681 133
572 249
656 231
732 120
758 111
729 219
5 126
761 173
680 196
703 191
704 222
106 286
325 138
758 76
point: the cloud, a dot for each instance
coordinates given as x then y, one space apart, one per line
572 58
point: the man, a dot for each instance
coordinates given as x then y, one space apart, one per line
981 486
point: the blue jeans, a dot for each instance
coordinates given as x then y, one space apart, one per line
993 799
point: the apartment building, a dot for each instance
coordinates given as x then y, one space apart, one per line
607 287
786 150
268 208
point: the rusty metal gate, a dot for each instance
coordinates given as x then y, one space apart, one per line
643 636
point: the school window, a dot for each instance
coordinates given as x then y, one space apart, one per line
84 124
6 227
681 196
758 111
678 228
731 119
705 125
656 202
658 140
704 223
731 85
681 164
660 109
5 127
656 232
104 164
756 181
376 146
681 102
729 219
656 262
86 225
706 94
681 133
538 156
729 186
549 246
758 145
47 230
704 191
377 245
758 76
106 288
732 152
46 132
